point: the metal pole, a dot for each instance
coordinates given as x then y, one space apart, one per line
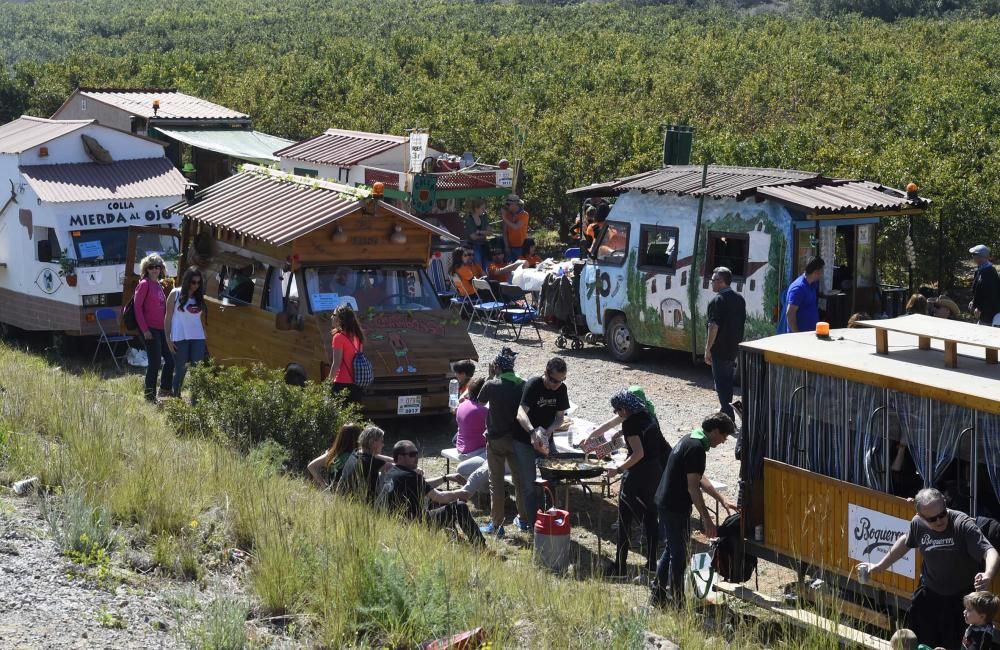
940 246
694 268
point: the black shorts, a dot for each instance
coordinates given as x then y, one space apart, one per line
937 619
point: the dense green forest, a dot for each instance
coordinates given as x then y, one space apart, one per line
580 90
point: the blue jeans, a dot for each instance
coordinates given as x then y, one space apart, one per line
156 347
188 351
526 457
723 372
675 531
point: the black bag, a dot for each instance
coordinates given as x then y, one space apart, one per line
128 315
731 560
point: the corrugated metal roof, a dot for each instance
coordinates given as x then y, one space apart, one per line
806 191
141 178
721 181
340 147
173 104
851 196
278 208
26 132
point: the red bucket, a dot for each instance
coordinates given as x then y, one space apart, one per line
552 522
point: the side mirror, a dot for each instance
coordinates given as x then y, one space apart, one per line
44 251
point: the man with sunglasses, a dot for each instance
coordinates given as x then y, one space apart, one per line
953 551
405 489
544 403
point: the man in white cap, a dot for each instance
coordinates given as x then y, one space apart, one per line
985 302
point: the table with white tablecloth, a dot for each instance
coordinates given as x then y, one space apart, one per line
533 279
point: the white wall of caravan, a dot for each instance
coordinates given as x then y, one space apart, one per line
69 148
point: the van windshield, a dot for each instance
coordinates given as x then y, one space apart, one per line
107 246
383 289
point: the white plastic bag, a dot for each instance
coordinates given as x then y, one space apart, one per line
137 358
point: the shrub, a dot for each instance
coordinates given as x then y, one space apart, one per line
247 407
80 531
223 626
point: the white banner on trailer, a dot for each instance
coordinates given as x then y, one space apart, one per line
871 534
417 151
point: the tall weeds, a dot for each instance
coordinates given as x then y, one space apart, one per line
350 576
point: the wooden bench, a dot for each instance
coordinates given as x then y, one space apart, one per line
927 328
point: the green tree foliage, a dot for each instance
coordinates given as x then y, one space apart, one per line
578 90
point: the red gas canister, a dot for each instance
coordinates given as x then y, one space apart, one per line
552 539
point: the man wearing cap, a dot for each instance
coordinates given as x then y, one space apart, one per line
985 287
802 300
515 226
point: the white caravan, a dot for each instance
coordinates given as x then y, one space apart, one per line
69 190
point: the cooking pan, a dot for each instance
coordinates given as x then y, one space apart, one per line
568 466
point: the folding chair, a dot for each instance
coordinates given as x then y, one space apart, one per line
487 310
110 336
572 253
460 302
517 311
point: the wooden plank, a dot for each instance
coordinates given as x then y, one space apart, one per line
881 341
939 328
803 618
991 355
951 354
924 342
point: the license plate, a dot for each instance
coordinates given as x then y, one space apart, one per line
408 405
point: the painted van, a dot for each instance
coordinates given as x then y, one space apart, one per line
647 280
75 188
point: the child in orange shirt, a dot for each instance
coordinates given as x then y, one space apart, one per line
530 259
497 270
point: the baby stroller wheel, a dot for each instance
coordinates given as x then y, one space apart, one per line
577 344
561 342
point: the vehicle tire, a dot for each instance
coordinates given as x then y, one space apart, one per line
620 340
8 332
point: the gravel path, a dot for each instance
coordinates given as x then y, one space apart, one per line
681 390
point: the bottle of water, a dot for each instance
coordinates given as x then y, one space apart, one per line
453 394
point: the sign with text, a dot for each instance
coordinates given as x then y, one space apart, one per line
120 213
417 150
871 534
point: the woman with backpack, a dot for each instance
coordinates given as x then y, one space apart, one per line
149 307
348 342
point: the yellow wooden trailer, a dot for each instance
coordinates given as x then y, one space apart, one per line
840 431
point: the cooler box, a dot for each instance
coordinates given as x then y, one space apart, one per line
552 539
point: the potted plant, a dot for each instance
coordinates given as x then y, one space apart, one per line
67 267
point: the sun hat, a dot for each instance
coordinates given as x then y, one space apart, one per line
980 250
513 198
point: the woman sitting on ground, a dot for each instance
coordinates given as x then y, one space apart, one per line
362 468
917 304
325 469
471 419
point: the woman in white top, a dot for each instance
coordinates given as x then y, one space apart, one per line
185 324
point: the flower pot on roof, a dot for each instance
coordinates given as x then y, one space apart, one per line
67 267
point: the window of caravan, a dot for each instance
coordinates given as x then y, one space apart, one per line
106 246
729 250
658 247
383 289
612 242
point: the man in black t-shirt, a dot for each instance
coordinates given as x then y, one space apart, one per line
727 316
544 403
680 488
405 490
360 473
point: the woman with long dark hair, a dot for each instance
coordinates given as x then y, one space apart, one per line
325 469
150 311
348 339
185 323
463 270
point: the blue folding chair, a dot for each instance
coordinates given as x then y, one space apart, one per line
110 336
572 253
488 310
517 311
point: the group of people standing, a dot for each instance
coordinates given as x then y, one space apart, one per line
172 326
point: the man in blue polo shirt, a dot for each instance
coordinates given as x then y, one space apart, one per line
801 301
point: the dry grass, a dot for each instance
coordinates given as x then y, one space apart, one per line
350 577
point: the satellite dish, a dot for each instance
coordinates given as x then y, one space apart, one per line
468 160
97 153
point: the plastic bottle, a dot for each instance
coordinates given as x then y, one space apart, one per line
23 487
453 394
